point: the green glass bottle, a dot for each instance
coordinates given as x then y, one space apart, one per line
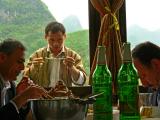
102 83
128 91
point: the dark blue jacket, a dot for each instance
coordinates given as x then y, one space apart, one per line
8 112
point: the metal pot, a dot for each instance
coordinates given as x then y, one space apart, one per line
62 108
58 109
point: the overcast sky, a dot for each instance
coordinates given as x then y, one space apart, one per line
63 8
145 13
140 12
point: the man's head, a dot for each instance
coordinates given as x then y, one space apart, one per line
146 58
11 58
55 35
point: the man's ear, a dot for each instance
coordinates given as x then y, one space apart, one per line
2 57
155 63
65 36
45 36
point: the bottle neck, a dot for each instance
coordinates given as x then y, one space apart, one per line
127 64
101 60
127 61
127 54
101 57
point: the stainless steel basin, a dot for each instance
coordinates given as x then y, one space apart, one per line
58 109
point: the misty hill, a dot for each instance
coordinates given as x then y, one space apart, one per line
137 34
24 20
72 24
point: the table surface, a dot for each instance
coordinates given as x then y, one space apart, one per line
116 117
150 119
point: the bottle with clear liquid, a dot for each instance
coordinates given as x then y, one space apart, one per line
102 83
128 91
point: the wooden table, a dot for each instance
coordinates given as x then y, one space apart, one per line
115 115
150 119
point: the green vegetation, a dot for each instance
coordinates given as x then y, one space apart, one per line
25 20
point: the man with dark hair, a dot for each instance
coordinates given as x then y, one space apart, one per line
55 61
146 58
11 64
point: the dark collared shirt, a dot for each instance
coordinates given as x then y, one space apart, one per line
155 97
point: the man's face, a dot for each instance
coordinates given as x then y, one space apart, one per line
149 76
13 64
55 41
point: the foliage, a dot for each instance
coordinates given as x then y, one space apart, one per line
27 22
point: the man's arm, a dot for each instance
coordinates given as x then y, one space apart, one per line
75 66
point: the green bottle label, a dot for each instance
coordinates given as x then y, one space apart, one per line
128 100
103 104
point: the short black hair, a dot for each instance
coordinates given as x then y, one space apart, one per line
145 52
55 27
8 46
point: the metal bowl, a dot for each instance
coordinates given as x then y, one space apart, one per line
81 91
58 109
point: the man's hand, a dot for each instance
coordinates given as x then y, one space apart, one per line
24 84
32 92
69 61
37 61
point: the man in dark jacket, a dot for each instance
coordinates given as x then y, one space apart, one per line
146 58
11 64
